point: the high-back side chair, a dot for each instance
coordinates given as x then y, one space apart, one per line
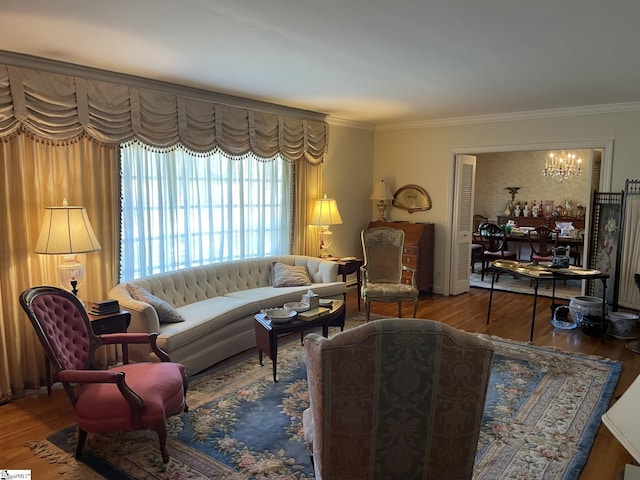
382 270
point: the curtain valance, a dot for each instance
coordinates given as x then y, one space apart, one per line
61 107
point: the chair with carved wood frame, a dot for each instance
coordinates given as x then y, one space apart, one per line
494 240
477 221
476 243
135 396
382 270
542 241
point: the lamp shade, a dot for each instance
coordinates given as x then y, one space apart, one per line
66 230
325 212
381 191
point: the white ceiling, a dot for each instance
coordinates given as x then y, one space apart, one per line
371 61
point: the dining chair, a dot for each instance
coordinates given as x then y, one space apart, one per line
476 255
478 220
135 396
494 240
476 241
542 241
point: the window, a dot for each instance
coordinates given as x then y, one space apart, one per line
182 209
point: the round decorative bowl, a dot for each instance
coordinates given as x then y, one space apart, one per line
279 315
623 325
584 305
297 306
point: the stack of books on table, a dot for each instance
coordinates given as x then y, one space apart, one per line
313 313
103 307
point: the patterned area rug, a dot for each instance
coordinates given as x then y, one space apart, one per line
542 413
564 290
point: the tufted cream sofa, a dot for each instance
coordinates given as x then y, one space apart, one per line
218 302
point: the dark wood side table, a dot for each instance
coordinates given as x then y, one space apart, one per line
347 267
100 324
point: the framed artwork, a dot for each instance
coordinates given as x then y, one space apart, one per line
412 198
605 243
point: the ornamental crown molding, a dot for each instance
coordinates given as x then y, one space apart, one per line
508 117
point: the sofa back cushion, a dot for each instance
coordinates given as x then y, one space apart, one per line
190 285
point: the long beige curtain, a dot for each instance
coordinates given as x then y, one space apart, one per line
307 188
34 175
629 292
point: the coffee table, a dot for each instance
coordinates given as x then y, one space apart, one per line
267 332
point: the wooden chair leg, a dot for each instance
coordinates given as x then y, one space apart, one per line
415 307
399 309
185 386
162 436
82 437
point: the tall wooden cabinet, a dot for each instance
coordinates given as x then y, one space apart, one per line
418 251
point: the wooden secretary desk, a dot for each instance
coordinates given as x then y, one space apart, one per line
418 251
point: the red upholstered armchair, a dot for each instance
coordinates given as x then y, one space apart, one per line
126 397
396 398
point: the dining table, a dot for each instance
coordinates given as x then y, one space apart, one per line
519 239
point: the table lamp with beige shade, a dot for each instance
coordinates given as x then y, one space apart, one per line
66 231
325 213
381 193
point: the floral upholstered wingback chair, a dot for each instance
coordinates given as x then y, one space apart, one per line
382 269
396 399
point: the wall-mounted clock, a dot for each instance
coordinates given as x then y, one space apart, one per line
412 198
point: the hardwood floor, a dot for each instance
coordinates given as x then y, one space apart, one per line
37 415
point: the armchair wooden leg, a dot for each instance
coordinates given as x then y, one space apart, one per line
415 307
82 437
185 386
399 309
162 436
367 309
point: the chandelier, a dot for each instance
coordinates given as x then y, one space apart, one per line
562 166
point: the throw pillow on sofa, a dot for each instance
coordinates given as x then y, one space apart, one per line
166 312
289 275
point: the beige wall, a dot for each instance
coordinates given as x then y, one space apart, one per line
424 155
496 171
347 177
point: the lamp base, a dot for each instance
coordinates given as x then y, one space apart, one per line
70 273
382 206
326 239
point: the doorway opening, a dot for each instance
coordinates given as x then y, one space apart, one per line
495 166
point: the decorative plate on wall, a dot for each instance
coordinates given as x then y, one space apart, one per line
412 198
